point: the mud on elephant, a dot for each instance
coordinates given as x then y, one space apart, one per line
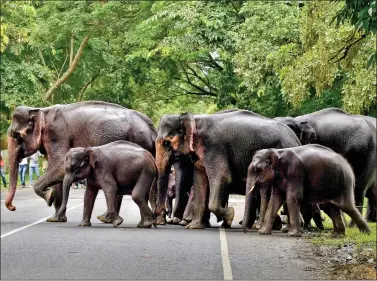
311 174
105 167
54 130
221 149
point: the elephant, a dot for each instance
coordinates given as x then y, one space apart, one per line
104 168
221 149
54 130
371 193
171 194
310 173
346 134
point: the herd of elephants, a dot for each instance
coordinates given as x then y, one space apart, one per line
325 160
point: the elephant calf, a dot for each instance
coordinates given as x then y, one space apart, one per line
118 168
309 174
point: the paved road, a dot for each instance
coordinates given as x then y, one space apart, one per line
66 251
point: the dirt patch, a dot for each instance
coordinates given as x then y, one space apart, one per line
348 262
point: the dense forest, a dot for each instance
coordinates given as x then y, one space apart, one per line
275 58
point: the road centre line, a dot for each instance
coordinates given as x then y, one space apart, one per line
34 223
225 256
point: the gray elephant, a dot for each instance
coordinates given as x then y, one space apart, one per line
371 193
311 174
54 130
346 134
118 167
221 148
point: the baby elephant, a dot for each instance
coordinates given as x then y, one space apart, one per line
308 174
118 168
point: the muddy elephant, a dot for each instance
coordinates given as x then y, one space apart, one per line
221 148
346 134
105 167
54 130
312 174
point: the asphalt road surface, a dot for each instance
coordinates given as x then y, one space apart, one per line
34 249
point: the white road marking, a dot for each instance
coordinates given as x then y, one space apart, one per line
34 223
224 255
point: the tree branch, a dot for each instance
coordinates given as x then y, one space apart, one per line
346 49
205 92
71 52
86 85
41 57
238 12
69 71
62 66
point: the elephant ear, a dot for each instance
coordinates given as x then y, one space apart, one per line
307 134
274 158
92 156
36 116
187 123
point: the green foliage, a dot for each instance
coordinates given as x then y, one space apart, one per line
274 58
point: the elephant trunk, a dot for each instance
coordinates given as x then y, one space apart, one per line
250 206
163 167
14 150
67 182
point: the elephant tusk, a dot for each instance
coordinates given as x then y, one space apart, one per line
251 189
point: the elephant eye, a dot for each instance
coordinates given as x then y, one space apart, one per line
166 143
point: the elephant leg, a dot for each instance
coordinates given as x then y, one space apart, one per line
264 195
89 198
57 204
307 214
347 205
293 203
339 228
276 201
316 211
53 176
372 203
109 189
189 210
140 197
105 218
200 195
359 197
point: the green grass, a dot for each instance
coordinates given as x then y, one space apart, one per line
353 235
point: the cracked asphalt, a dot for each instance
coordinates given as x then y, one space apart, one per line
67 251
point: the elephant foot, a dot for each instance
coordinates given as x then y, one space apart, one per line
365 229
194 225
285 229
117 221
264 231
56 218
258 225
147 223
294 233
229 215
50 196
188 219
225 225
161 220
85 223
337 234
105 219
183 223
175 220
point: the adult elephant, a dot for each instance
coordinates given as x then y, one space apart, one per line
346 134
221 147
54 130
371 193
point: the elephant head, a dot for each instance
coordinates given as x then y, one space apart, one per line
261 172
24 139
78 164
175 139
307 134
